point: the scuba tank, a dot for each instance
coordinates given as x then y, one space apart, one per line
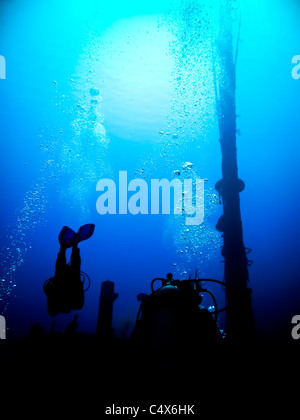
171 321
66 293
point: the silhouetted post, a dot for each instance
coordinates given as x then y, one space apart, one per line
240 319
107 298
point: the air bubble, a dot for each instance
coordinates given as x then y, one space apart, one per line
94 91
187 165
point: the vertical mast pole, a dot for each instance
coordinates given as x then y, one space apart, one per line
240 319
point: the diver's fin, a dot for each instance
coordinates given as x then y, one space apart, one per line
85 232
67 237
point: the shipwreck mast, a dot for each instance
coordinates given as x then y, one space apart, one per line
240 319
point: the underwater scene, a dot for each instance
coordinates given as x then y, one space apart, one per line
150 171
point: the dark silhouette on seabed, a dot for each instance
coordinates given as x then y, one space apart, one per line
175 350
172 329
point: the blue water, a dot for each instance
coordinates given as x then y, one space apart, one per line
92 89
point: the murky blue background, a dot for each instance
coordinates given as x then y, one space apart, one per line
92 89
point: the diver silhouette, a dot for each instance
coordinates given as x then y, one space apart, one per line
171 325
65 290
